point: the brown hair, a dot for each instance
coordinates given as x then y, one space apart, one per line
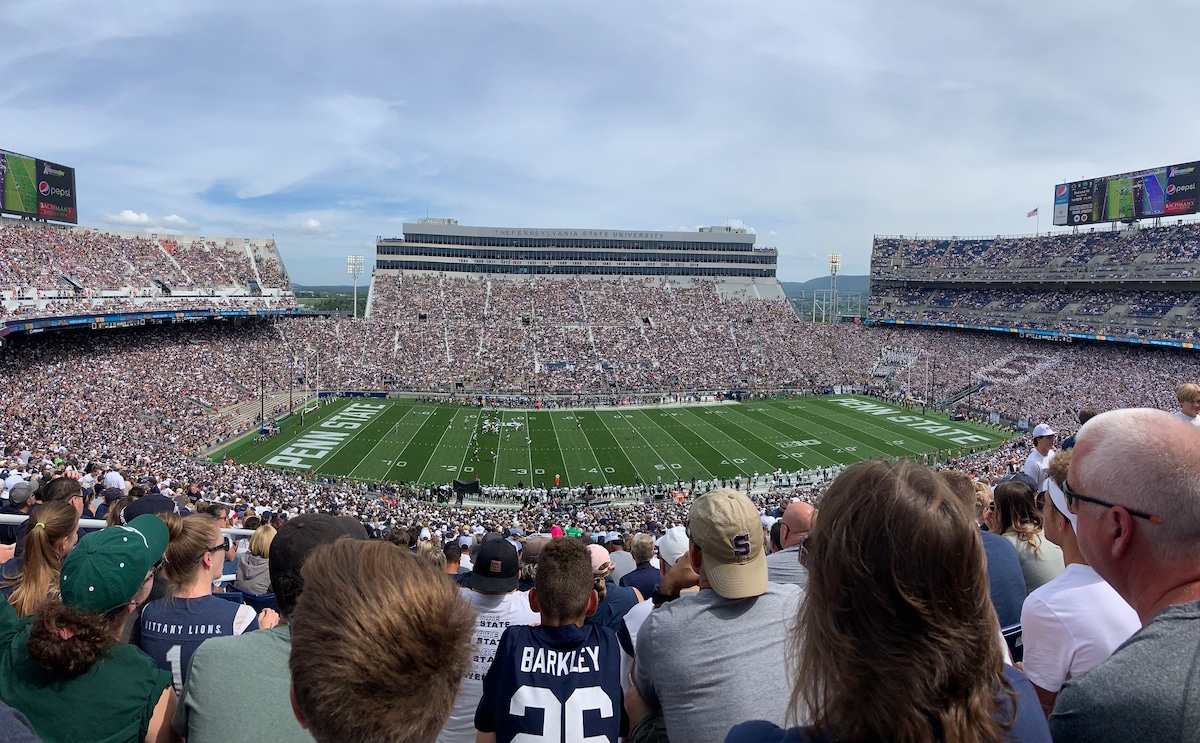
897 575
190 536
564 581
113 517
380 642
61 489
42 558
1017 512
1059 466
89 637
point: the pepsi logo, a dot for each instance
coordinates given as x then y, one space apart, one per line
1061 190
44 188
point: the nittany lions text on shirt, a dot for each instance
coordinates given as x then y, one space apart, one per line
553 684
172 629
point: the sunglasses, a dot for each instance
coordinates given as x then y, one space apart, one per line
1072 496
222 547
805 552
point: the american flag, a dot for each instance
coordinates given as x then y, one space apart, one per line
1033 213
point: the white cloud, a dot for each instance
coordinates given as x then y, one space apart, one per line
821 125
172 224
128 217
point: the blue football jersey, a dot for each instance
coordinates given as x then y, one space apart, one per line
553 685
172 629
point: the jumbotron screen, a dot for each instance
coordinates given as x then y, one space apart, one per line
1159 192
37 188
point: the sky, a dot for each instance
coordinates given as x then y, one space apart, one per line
816 125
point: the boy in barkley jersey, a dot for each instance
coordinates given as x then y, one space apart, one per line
560 681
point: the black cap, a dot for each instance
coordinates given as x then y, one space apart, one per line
495 567
292 544
153 503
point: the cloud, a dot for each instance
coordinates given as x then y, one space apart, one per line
172 224
836 123
129 217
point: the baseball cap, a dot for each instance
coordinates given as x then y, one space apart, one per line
724 525
495 567
533 549
148 504
106 569
112 494
1042 429
672 545
293 543
601 564
19 494
1060 501
1022 478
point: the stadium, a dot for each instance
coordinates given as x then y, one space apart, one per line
523 380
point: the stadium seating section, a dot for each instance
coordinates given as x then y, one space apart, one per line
52 271
1133 283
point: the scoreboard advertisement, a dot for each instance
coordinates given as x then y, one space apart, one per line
37 188
1159 192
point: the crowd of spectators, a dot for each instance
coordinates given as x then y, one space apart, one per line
1120 312
1168 251
56 271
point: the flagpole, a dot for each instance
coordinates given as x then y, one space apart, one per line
1038 223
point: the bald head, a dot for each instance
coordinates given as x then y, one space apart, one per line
797 521
1146 460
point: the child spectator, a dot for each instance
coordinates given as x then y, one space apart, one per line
564 675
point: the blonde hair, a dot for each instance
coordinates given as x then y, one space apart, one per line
42 558
260 541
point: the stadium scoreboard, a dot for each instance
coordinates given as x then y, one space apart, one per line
1158 192
37 188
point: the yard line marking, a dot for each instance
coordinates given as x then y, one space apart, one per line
383 439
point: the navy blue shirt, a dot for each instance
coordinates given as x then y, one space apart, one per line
553 684
616 603
1006 582
1029 727
644 578
172 629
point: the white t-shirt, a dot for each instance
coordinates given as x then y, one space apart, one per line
1194 421
1071 625
1038 467
496 613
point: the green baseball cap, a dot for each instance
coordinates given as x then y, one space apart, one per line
106 568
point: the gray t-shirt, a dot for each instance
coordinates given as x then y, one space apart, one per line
238 686
1148 690
784 567
623 565
712 662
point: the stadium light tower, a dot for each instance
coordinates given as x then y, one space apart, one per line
354 267
835 262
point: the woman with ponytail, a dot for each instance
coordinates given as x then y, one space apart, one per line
175 625
47 542
64 669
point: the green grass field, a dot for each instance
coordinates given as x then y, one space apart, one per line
20 184
401 440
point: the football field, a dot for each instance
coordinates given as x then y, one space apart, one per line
405 441
20 193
